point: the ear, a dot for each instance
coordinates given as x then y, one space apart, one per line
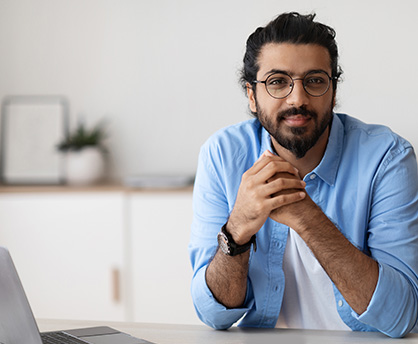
251 97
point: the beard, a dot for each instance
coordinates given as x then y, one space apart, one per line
298 141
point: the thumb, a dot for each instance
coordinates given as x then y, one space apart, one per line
267 153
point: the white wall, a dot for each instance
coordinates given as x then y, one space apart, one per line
164 72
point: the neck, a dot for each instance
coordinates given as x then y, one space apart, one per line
312 157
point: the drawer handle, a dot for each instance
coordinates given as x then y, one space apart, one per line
116 285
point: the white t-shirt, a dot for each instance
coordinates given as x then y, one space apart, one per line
308 300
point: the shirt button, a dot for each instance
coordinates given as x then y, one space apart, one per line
313 176
340 303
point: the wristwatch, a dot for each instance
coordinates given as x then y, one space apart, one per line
230 247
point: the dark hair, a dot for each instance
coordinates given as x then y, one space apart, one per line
289 28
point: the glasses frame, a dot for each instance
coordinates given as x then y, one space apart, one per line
292 85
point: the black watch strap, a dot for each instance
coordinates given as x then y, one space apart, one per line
230 247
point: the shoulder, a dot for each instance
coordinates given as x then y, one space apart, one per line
373 137
243 132
235 141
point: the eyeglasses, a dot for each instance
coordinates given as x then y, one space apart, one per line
280 85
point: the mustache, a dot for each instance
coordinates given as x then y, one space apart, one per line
297 111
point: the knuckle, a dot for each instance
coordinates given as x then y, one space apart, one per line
250 183
281 183
280 201
258 207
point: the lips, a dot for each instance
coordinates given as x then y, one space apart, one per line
296 120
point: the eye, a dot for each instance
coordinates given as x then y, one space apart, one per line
278 81
315 80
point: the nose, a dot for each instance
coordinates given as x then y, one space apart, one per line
298 97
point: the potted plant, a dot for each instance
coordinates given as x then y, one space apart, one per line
84 154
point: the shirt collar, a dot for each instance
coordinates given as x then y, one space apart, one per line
265 141
328 167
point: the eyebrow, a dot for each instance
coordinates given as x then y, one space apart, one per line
274 71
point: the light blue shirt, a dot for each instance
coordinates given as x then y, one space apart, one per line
366 183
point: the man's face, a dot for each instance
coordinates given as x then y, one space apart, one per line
298 121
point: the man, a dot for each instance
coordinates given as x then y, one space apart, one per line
304 218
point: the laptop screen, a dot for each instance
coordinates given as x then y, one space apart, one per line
17 324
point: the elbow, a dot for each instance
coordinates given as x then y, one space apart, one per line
396 333
215 322
401 330
219 326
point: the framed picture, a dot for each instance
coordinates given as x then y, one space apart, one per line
31 128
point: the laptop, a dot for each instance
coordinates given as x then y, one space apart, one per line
18 325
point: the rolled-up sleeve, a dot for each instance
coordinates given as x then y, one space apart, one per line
209 310
211 211
393 313
393 243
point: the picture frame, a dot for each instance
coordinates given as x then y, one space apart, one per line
31 128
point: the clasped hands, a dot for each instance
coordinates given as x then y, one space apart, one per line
271 188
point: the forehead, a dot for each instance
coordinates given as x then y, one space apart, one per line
296 59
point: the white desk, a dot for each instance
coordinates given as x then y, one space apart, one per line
195 334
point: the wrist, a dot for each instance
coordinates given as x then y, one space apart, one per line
237 232
315 218
230 247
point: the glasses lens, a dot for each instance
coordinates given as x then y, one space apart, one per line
316 83
279 85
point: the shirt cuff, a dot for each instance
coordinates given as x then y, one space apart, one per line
209 310
392 307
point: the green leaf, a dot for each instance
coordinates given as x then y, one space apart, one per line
83 137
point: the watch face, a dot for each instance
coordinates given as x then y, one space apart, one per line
223 243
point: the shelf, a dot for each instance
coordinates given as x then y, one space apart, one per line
89 188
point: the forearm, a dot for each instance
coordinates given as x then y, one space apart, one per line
269 184
226 278
354 273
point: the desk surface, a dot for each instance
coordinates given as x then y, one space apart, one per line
194 334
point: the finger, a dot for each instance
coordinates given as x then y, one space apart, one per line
268 153
280 175
267 166
285 199
278 185
261 162
277 168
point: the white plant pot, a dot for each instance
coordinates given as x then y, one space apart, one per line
84 167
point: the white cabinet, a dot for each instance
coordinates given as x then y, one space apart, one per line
68 250
98 254
161 272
